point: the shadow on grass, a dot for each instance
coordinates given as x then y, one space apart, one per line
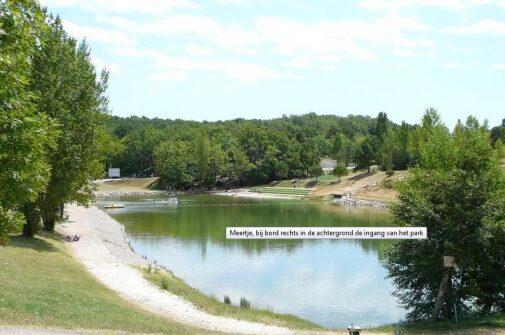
310 184
361 175
493 321
34 243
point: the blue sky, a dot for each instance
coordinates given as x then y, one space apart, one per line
224 59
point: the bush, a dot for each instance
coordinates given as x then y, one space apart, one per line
164 283
390 172
227 300
244 303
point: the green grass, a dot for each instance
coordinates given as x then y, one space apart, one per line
476 325
281 191
42 285
171 283
324 180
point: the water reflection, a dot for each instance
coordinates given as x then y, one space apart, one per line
330 282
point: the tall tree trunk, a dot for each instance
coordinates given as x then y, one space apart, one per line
32 217
444 284
62 210
49 219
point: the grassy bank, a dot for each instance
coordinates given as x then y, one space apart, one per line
211 305
42 285
493 324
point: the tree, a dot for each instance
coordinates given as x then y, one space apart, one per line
387 150
381 127
340 170
237 164
337 150
364 156
202 158
401 157
281 170
138 150
69 92
498 133
175 164
500 148
24 136
458 193
315 171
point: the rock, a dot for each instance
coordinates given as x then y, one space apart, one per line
349 201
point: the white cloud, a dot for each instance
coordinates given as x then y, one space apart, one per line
452 65
109 66
498 66
456 5
177 68
229 37
107 36
154 7
194 49
337 40
169 76
485 26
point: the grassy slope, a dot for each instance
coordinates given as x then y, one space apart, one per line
42 285
213 306
494 324
127 184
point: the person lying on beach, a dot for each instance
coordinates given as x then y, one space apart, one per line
74 238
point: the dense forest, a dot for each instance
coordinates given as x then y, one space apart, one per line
247 152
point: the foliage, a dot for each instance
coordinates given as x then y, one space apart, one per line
365 154
340 170
65 80
244 303
175 164
390 173
315 171
24 136
498 133
458 193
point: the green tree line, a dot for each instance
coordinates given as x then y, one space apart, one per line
53 113
247 152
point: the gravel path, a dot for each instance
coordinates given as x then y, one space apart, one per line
104 250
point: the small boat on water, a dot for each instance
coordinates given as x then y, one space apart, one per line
173 201
113 206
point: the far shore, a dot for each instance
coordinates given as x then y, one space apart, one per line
362 192
247 193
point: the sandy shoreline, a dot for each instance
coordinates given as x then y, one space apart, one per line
105 252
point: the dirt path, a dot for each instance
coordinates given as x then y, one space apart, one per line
104 251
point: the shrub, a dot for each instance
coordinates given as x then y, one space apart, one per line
244 303
164 283
227 300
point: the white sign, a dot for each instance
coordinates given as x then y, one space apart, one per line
114 173
449 262
328 233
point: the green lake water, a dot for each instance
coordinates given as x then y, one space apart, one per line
332 283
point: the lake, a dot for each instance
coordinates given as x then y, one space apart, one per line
332 283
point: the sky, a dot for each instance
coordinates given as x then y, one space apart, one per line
225 59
